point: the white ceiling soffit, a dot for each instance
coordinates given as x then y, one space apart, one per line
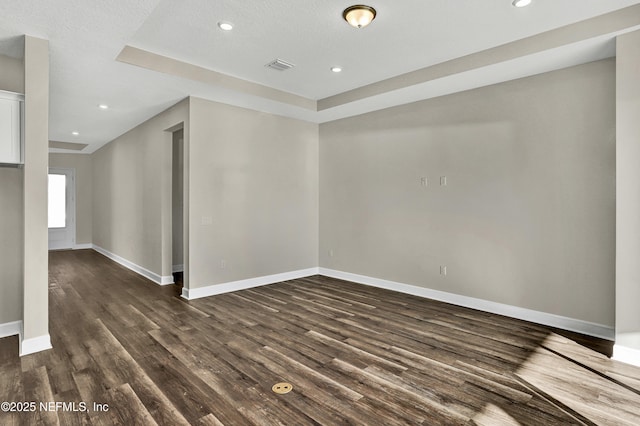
415 49
66 146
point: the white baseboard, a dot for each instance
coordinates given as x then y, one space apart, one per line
212 290
177 268
626 355
26 346
35 344
10 329
158 279
166 280
185 294
552 320
83 246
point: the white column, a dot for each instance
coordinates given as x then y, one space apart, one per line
35 336
627 347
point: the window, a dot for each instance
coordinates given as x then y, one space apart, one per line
57 201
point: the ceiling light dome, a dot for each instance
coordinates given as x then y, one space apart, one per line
359 16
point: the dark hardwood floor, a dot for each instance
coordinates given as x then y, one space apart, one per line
354 355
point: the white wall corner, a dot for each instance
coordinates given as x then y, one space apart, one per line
83 246
543 318
35 344
158 279
626 354
166 280
11 329
185 293
26 346
212 290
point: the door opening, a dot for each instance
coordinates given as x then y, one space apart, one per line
177 205
62 209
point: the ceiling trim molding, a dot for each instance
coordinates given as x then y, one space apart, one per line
70 146
383 94
155 62
614 22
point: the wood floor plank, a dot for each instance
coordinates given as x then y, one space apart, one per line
125 408
76 415
208 420
38 390
354 354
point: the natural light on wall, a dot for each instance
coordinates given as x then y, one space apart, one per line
57 201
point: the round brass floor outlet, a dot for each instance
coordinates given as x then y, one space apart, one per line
282 388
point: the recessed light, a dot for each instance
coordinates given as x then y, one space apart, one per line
336 69
75 133
103 106
521 3
225 26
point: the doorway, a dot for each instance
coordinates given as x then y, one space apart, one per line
62 208
177 206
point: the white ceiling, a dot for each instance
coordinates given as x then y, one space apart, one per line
86 37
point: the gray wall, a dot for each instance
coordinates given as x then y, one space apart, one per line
12 75
528 215
11 211
11 243
628 192
253 191
132 192
251 184
84 187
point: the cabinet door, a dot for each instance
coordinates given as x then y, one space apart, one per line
10 143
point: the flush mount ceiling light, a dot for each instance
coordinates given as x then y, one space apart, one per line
359 16
75 133
103 106
521 3
336 69
225 26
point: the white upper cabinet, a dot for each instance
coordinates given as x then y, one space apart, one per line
11 151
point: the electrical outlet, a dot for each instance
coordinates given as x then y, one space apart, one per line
443 181
443 270
223 264
331 253
424 181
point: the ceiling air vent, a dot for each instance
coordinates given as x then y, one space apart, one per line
279 65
